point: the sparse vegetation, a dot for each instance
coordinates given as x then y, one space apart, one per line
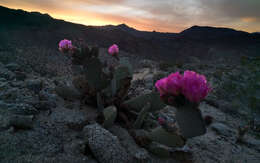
97 104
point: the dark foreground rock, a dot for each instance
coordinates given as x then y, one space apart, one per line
105 146
42 121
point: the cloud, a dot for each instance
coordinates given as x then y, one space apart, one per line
99 2
239 14
232 8
166 15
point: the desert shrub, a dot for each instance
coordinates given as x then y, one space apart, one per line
165 66
240 86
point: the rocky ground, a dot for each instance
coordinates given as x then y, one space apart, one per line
40 122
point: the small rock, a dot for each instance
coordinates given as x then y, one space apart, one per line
20 109
149 81
140 154
67 93
5 73
11 130
46 96
4 86
168 113
9 94
253 143
12 67
74 119
45 105
16 121
256 124
20 75
51 98
147 63
2 79
75 147
24 109
34 85
141 74
21 121
3 122
105 146
221 129
18 84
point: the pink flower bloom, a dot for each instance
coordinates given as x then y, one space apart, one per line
194 86
191 85
173 85
113 50
170 85
161 86
65 45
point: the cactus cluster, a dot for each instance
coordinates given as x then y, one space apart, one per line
106 86
185 92
96 80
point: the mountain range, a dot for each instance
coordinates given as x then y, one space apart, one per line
21 29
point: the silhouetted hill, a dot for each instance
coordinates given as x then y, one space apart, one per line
21 29
201 32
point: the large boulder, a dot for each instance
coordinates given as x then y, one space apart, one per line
105 146
139 154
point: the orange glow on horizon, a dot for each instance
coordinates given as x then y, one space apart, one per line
96 19
100 19
248 19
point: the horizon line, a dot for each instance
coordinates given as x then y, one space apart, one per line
136 28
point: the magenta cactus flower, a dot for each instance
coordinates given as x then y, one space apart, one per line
191 85
161 86
113 50
194 86
174 84
170 85
65 45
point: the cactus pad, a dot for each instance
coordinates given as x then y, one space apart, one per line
139 102
94 74
190 121
161 136
110 114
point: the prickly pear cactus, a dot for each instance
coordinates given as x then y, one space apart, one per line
93 78
96 79
120 82
190 121
125 63
185 92
139 102
110 114
140 119
94 74
79 56
161 136
106 86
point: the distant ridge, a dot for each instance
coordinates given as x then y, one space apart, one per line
206 32
16 14
197 28
36 29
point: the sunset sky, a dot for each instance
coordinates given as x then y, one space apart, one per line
158 15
